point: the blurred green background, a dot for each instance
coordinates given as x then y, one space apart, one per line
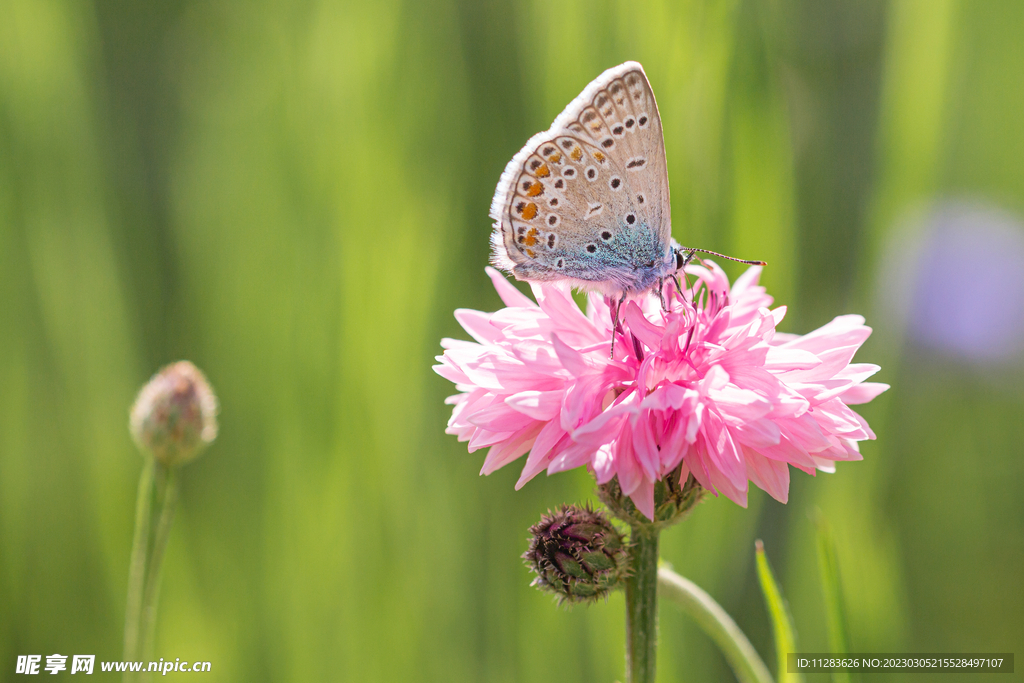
294 196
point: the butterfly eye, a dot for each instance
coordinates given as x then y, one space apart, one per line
680 261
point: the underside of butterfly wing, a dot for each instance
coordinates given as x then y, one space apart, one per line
587 200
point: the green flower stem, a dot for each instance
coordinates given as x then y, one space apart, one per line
642 606
714 621
137 564
167 493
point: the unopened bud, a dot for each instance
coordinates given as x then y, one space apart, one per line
175 415
577 554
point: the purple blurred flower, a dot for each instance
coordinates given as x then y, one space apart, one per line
963 273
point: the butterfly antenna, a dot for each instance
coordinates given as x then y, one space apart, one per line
731 258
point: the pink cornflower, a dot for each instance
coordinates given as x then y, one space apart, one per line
708 386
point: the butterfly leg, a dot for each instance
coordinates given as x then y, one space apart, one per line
661 294
616 326
686 260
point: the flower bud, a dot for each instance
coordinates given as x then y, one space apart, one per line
673 498
175 415
577 554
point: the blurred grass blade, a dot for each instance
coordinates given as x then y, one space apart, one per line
716 622
782 623
835 610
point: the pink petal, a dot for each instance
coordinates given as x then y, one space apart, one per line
572 360
748 279
542 452
605 427
561 308
722 484
771 476
643 498
583 399
695 461
862 393
500 418
604 464
643 329
723 454
804 432
645 448
507 291
482 439
478 325
627 468
451 373
574 455
515 446
539 405
784 359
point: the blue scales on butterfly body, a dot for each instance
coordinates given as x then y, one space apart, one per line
631 260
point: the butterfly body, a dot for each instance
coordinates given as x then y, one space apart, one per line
587 200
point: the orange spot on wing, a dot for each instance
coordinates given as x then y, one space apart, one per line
599 156
555 158
531 253
534 190
543 171
577 154
530 211
531 238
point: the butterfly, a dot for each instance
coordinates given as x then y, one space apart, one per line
587 200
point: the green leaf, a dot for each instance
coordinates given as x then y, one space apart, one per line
835 609
782 623
716 623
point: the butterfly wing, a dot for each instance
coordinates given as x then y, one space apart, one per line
588 199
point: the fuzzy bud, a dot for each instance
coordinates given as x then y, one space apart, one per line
577 554
175 415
